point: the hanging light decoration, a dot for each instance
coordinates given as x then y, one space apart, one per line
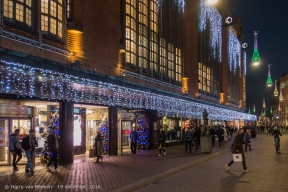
269 79
254 109
275 89
256 56
264 105
271 111
249 111
264 113
280 96
279 108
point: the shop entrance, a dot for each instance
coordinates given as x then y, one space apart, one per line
126 128
7 127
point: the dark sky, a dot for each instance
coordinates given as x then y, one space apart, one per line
270 17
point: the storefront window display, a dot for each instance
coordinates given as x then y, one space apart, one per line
172 128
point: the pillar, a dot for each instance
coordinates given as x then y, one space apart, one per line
66 120
113 131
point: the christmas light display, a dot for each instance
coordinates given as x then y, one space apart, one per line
279 108
264 105
234 52
269 79
271 111
104 128
280 96
210 17
143 130
244 62
66 87
256 55
254 109
275 89
180 3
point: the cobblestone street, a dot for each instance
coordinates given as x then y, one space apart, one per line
176 171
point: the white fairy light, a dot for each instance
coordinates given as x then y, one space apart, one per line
234 52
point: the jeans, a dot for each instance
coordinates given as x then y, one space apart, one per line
133 147
246 145
186 146
243 162
54 158
19 154
29 160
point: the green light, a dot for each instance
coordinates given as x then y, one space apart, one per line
269 81
264 113
271 110
249 111
256 57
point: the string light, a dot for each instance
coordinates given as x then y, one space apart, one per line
180 3
77 89
234 52
209 14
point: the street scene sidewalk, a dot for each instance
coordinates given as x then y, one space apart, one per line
201 172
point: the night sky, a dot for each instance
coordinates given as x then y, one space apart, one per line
270 17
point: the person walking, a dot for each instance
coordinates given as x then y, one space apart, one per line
53 146
161 141
15 149
220 134
212 133
98 146
238 148
133 140
188 139
28 144
247 139
197 136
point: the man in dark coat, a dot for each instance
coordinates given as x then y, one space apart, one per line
161 141
15 148
198 135
28 144
53 146
212 133
238 148
188 139
220 134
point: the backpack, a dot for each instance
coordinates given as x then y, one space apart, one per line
187 135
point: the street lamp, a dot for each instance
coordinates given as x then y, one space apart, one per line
211 1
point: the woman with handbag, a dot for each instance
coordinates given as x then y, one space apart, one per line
161 141
98 146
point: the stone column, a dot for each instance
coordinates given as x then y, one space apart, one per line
66 122
113 131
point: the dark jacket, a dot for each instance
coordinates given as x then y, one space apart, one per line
247 137
51 141
134 136
188 135
161 139
98 145
220 132
26 143
276 133
212 132
14 143
238 143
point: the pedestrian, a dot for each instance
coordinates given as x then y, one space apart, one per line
28 144
188 139
220 134
197 136
133 139
212 133
15 148
98 146
247 139
53 147
161 141
238 148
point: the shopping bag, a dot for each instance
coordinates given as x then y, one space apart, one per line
237 157
92 153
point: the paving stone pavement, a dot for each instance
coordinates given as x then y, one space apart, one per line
127 173
269 172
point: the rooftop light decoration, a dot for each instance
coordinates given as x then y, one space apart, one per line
256 55
254 109
264 105
275 89
269 79
281 96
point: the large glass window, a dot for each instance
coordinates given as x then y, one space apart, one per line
19 10
52 16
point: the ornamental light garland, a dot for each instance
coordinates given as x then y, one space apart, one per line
234 52
60 86
210 17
